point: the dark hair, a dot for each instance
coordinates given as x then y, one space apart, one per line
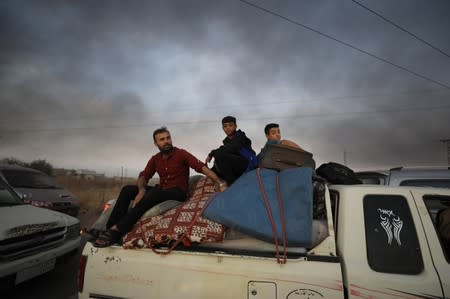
159 131
270 126
229 119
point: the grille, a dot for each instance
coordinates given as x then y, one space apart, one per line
17 247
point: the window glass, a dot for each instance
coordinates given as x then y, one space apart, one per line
439 209
372 181
7 197
438 183
391 238
334 199
29 179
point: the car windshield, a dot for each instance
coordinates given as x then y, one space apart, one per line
29 179
7 196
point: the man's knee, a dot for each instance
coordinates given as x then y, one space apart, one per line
128 191
220 155
129 188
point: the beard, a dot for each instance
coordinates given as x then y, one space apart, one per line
166 149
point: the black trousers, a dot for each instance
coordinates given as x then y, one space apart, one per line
125 218
229 166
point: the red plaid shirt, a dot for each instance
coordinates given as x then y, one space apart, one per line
173 171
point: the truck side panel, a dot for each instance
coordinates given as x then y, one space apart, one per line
141 273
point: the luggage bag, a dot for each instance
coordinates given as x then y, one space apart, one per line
279 157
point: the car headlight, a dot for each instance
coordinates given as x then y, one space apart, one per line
73 231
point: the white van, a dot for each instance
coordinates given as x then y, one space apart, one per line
408 176
420 177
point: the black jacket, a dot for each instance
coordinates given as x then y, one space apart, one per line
235 144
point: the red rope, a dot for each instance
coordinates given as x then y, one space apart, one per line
282 219
269 214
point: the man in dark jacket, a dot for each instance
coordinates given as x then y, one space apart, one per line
235 156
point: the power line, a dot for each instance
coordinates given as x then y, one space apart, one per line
228 106
346 44
401 28
182 123
447 144
313 100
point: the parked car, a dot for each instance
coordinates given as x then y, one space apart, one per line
407 176
32 240
372 177
422 177
108 204
39 189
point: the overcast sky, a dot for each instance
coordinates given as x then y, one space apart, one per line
83 84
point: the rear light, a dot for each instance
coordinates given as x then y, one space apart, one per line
106 206
81 271
48 204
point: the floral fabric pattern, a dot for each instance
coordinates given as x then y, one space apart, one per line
183 223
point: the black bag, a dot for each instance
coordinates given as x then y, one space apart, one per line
279 157
336 173
319 208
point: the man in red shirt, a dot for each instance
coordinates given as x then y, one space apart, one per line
172 165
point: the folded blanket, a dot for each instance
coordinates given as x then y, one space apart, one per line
268 205
180 224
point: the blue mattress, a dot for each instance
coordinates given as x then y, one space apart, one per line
242 207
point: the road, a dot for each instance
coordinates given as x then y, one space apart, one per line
61 283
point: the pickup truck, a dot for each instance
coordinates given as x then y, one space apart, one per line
380 242
32 240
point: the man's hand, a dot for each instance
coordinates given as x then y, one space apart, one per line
222 186
141 184
213 176
138 197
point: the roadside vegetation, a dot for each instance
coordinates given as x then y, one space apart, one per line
93 193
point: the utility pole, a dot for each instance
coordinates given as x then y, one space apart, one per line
446 142
345 153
